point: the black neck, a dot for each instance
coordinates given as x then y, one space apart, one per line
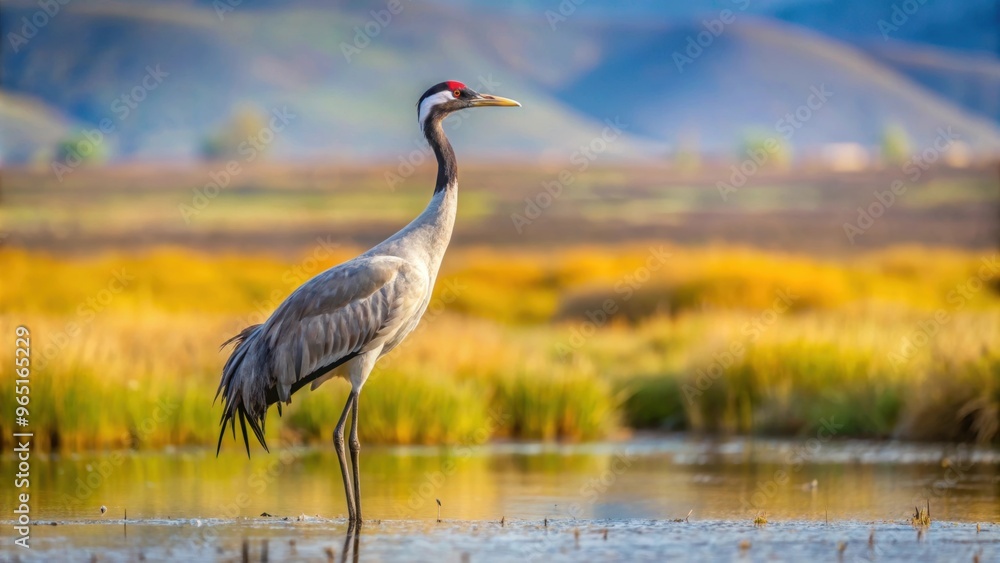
447 163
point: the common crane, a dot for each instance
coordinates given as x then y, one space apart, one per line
354 313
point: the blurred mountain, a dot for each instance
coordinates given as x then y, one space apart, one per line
91 64
29 128
969 25
752 77
347 74
970 81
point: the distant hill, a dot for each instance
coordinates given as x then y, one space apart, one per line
965 25
28 126
970 26
970 81
570 79
265 59
966 33
756 73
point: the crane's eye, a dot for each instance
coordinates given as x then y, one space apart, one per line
457 93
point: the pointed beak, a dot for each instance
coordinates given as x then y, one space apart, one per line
488 100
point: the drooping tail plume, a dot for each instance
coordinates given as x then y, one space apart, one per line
244 387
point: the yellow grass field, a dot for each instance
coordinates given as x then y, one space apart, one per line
587 343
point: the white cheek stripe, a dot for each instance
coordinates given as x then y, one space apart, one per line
429 102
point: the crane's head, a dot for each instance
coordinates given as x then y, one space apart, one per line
441 99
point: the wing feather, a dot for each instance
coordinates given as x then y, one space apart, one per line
341 312
346 311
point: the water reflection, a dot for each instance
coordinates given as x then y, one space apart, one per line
351 540
657 479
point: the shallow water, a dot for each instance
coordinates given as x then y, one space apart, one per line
815 495
558 540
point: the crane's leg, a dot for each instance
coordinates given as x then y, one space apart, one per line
338 444
356 457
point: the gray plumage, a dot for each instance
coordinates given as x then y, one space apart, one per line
354 313
351 314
